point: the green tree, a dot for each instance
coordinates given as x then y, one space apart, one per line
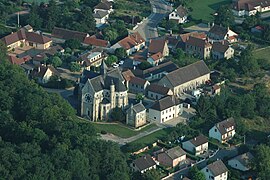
118 115
224 16
120 53
152 174
111 59
110 34
144 65
56 61
248 106
139 97
196 174
34 18
72 44
74 67
261 162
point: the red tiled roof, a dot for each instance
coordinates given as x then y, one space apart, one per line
37 38
131 41
156 56
137 80
15 60
96 42
156 45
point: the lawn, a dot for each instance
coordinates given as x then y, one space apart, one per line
132 8
151 138
120 130
263 53
204 9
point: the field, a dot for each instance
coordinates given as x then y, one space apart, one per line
132 8
263 53
120 130
204 9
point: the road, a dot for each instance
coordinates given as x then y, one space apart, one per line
221 154
148 29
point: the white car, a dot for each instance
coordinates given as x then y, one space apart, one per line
115 65
121 62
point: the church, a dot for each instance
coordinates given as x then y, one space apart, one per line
100 93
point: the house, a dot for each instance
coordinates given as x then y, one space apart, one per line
136 115
156 92
155 59
250 7
165 109
172 157
127 75
222 33
92 58
100 93
101 17
241 162
158 45
184 37
198 47
179 15
223 131
186 78
60 35
44 73
17 61
216 170
23 37
222 50
132 43
105 6
137 85
156 72
143 164
197 145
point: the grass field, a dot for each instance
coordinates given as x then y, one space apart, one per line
120 130
204 9
144 141
262 53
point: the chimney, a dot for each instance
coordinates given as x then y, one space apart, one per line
38 69
222 42
195 138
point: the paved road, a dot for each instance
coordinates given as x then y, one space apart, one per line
148 29
220 155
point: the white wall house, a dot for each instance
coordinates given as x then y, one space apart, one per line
250 7
197 145
241 162
215 171
165 109
223 131
179 15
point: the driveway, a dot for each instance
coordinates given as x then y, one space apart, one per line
148 29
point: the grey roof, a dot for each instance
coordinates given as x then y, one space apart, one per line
100 14
175 152
199 140
181 11
220 46
219 30
188 73
244 159
165 102
224 125
138 108
156 88
105 101
217 168
144 162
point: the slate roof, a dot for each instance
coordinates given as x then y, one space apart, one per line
100 14
199 140
43 69
158 89
144 162
217 168
219 30
220 46
244 159
156 45
165 103
175 152
181 11
104 5
137 80
188 73
138 108
164 67
224 125
68 34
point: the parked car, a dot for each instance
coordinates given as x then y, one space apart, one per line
121 62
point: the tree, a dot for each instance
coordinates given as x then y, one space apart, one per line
74 67
34 18
72 44
152 174
144 65
118 115
248 106
261 163
110 34
139 97
111 59
195 174
120 53
56 61
224 16
251 21
86 20
203 106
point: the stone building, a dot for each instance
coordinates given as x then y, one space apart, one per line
136 115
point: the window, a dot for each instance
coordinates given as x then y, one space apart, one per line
155 117
215 130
